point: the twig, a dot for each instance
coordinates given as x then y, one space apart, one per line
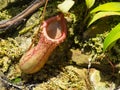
20 18
43 15
113 67
10 84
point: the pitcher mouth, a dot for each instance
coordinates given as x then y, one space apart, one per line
55 28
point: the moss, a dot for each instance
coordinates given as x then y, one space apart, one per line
5 3
5 63
33 22
4 15
9 48
10 53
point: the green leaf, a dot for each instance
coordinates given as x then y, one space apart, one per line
89 3
66 5
112 37
16 80
111 6
101 15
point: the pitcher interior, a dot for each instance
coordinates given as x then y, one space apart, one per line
54 30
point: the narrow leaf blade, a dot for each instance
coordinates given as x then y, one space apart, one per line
112 37
101 15
89 3
111 6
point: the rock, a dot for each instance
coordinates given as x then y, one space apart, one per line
78 57
101 81
72 78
